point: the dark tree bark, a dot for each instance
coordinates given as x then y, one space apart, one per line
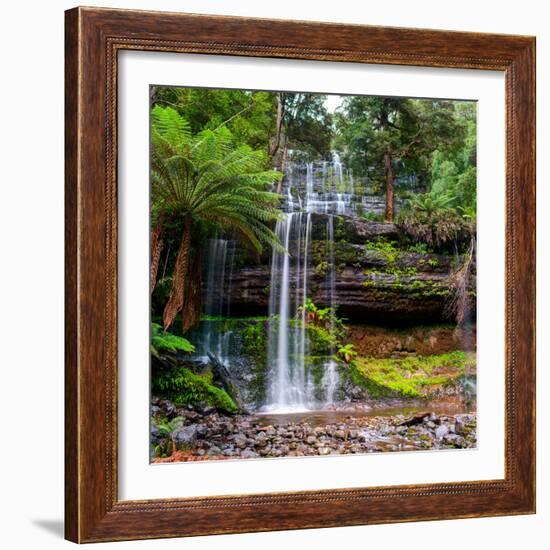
179 282
390 201
157 244
278 125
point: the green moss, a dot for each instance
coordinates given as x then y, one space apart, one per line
389 250
321 269
321 340
414 377
421 288
254 340
233 320
166 341
372 217
184 387
254 345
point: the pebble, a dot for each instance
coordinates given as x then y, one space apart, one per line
243 436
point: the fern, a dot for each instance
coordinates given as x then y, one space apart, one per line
207 179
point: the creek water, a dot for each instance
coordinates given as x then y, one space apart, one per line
323 417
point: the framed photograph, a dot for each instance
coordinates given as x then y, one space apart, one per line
300 275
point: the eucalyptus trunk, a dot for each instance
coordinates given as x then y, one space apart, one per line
278 125
390 200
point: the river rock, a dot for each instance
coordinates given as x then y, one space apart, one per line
455 440
187 436
441 431
240 441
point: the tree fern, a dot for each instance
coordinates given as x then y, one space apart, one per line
206 178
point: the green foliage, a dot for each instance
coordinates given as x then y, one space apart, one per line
321 340
307 124
162 340
254 346
419 248
321 269
347 352
167 429
210 179
325 330
414 377
389 250
409 129
428 219
206 182
254 340
372 217
184 387
453 170
249 115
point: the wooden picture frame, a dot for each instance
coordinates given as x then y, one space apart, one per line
93 39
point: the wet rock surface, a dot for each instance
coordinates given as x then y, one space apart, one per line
360 295
216 436
374 341
370 284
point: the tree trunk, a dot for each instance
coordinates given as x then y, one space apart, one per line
179 278
192 307
389 185
283 165
278 125
157 244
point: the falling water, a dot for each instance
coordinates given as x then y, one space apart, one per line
324 188
291 385
330 381
287 342
214 338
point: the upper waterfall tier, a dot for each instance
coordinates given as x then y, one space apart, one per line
329 187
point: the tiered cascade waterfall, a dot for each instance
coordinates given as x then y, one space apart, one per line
314 194
311 188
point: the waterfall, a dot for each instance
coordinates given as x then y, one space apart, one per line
290 381
214 338
330 381
295 380
287 341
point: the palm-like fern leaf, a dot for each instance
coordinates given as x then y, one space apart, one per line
206 178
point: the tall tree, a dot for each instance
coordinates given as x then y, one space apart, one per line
302 122
387 132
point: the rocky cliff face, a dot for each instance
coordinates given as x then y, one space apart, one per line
375 284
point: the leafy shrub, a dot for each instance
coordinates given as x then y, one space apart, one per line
430 222
167 429
347 352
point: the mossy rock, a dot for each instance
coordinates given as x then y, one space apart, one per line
184 387
413 377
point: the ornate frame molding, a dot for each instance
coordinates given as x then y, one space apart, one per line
93 38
